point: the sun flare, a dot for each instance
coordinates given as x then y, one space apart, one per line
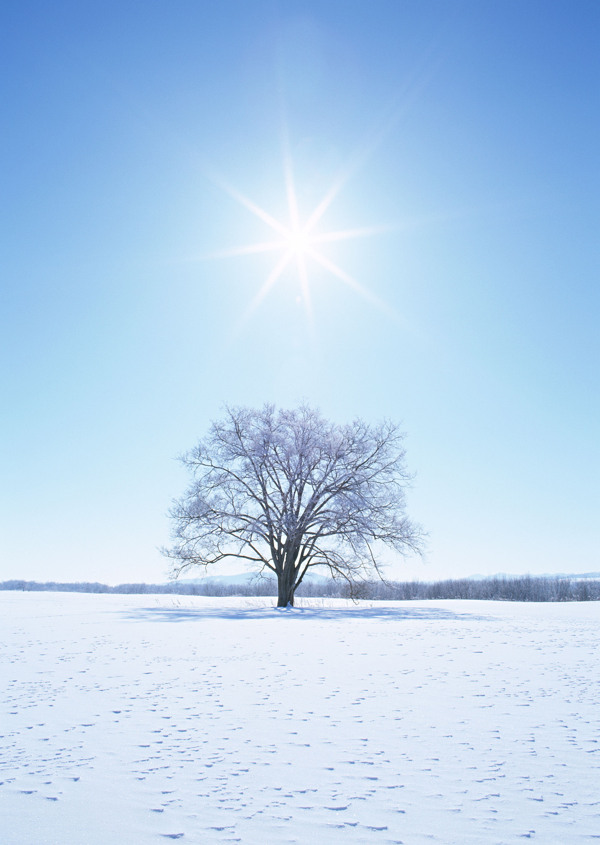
298 242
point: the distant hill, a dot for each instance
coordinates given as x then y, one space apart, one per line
242 578
572 576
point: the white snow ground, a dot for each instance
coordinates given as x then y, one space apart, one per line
145 719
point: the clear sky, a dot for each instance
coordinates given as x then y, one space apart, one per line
460 140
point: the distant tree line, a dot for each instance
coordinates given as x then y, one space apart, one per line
524 588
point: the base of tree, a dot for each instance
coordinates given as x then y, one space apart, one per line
285 602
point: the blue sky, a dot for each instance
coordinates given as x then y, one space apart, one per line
465 134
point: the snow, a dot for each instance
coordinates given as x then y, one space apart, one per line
147 719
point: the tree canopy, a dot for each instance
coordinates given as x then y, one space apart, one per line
288 490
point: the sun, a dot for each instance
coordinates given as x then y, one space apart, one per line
298 241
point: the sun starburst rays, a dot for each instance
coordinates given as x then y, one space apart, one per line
299 242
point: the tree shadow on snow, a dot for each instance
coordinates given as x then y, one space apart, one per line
391 614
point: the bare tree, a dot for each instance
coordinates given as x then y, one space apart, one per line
288 491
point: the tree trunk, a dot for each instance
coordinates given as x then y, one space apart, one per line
285 588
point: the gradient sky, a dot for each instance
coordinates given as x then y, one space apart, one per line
465 134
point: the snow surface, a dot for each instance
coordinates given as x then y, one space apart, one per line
145 719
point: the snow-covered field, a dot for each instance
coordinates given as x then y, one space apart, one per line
141 719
